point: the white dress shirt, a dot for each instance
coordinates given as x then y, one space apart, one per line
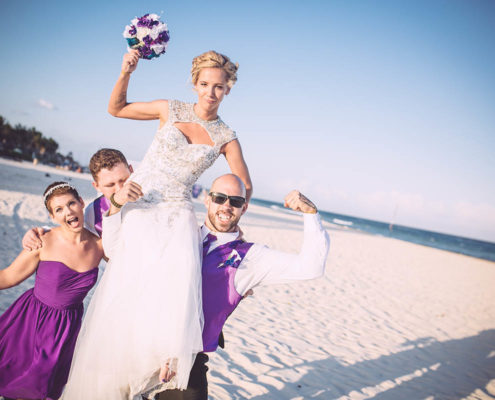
263 266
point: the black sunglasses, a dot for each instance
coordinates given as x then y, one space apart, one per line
220 198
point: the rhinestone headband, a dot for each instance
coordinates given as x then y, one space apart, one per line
59 186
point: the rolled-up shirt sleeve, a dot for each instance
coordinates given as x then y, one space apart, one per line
110 233
263 266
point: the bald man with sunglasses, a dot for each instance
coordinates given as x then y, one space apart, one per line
232 266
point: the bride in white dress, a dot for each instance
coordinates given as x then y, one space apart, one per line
143 326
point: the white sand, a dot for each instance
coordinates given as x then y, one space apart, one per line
390 320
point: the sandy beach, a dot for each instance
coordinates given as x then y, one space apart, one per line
390 319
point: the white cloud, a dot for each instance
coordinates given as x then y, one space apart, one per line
46 104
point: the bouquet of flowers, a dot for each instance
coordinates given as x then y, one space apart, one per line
148 35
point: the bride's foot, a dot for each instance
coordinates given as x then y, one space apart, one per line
168 371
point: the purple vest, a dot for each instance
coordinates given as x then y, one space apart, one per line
100 206
219 295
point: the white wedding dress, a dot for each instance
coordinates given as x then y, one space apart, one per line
147 307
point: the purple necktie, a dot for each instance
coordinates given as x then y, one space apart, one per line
209 239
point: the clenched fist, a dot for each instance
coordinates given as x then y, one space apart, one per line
299 202
130 192
130 62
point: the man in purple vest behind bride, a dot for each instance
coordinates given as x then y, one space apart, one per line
233 266
110 171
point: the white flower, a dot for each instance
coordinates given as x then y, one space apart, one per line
158 48
142 32
155 31
126 31
134 21
154 17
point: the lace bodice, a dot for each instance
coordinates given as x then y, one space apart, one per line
171 165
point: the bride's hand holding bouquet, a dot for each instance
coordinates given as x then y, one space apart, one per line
130 62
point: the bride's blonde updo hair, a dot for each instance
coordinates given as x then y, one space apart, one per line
212 59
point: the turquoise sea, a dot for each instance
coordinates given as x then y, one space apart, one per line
456 244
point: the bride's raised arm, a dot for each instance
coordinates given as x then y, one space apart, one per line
233 153
118 105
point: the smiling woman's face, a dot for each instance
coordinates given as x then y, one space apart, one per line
211 87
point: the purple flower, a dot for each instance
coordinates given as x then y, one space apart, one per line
147 22
133 30
143 21
158 41
145 51
164 36
147 40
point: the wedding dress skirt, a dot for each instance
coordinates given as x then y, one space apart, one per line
145 311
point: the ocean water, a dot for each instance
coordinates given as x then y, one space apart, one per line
456 244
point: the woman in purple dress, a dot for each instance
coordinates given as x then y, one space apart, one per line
38 331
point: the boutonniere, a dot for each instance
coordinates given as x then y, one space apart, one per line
233 260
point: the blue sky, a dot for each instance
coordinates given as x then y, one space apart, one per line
366 106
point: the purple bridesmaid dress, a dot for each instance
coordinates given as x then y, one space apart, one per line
39 331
